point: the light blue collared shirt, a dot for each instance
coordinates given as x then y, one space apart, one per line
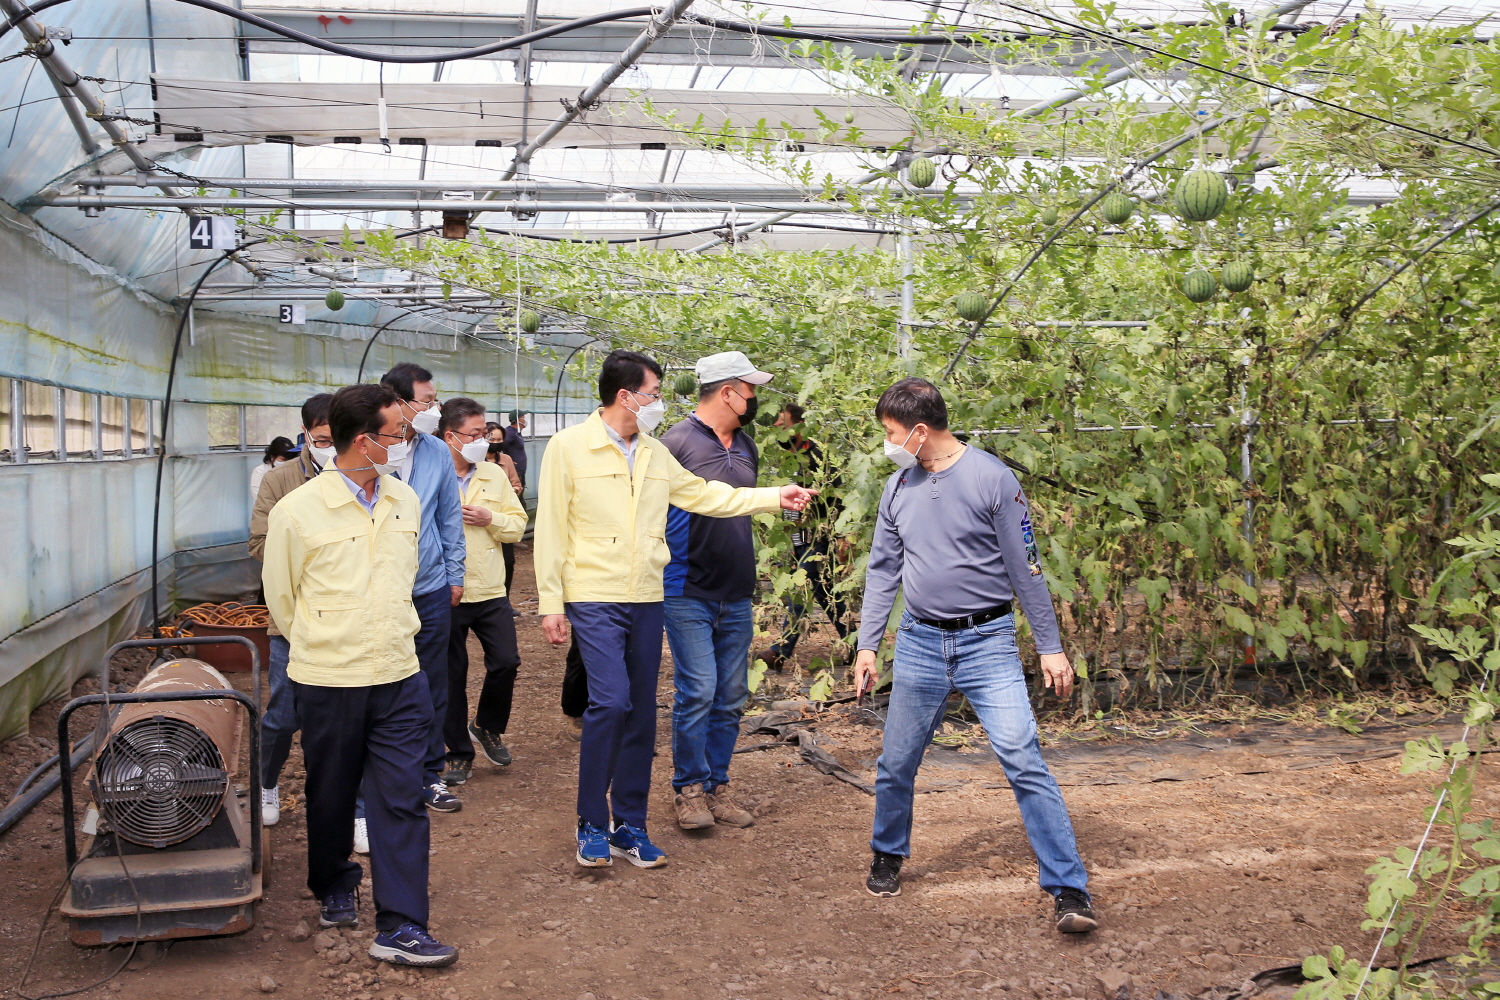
359 493
627 448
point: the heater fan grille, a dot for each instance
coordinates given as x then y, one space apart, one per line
159 781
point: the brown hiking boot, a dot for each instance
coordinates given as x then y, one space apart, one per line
692 808
725 810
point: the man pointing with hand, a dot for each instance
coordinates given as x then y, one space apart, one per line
955 532
600 549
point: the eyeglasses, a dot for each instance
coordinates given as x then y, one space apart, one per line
321 442
653 396
378 434
475 436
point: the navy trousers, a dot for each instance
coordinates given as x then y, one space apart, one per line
375 736
436 612
621 648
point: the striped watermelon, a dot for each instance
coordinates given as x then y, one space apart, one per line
685 384
1116 208
1200 195
1237 275
921 171
1198 285
971 306
1049 216
530 322
334 299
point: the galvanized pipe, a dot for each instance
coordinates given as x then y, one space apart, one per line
658 26
66 76
419 205
722 192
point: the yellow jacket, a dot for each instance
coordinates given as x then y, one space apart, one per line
601 533
338 581
484 567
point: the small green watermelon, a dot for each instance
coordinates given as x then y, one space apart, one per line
1116 208
921 172
1200 195
685 384
1237 275
1198 285
334 300
972 306
530 322
1049 216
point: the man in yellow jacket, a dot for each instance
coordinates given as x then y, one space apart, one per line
600 550
340 559
492 517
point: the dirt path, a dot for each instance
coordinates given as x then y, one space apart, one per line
1199 882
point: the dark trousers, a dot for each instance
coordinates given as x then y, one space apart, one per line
815 561
435 610
508 554
375 737
621 647
495 627
575 688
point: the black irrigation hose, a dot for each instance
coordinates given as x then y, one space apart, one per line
892 38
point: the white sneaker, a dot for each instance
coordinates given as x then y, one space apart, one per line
361 836
270 806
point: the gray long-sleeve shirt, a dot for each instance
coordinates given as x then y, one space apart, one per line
960 542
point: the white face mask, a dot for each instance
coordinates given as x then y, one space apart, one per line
474 451
425 421
897 452
648 416
322 456
395 454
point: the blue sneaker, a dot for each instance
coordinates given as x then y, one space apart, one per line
632 844
593 846
411 945
339 909
439 799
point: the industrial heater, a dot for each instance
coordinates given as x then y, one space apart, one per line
174 851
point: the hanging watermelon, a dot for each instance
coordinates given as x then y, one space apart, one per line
972 306
530 322
921 172
1200 195
1049 216
1116 208
1237 275
334 300
1198 285
685 384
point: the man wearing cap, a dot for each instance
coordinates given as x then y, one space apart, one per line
708 586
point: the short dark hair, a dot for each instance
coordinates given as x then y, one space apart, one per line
280 447
490 425
796 411
913 401
355 410
624 370
315 410
456 411
403 375
708 389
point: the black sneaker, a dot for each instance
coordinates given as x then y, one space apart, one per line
1075 912
456 770
885 875
339 909
493 745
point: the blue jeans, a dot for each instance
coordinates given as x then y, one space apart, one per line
278 724
710 643
984 665
621 649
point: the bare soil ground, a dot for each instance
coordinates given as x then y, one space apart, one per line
1200 881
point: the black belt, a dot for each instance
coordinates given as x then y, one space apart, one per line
967 621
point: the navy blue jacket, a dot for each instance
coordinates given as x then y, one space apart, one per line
713 558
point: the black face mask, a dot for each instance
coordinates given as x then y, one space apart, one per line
752 406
